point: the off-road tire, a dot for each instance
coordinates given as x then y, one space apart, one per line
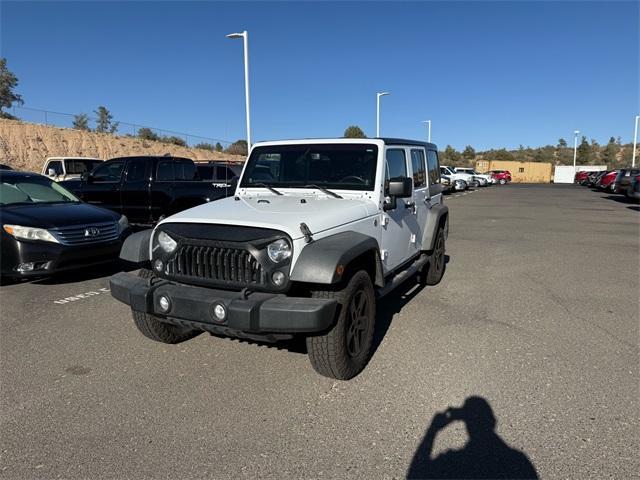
151 327
432 274
334 354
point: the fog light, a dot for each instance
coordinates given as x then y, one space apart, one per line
25 267
278 278
158 265
220 312
164 303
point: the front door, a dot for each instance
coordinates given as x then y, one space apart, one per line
103 187
135 192
396 234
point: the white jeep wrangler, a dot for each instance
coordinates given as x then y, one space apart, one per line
317 232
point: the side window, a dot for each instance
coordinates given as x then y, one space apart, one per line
55 165
109 172
205 172
185 170
395 165
419 170
433 167
225 173
164 171
137 169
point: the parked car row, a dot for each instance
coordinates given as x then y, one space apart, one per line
456 179
624 181
77 212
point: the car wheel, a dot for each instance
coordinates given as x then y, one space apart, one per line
432 274
502 181
343 352
155 329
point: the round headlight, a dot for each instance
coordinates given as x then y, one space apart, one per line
166 243
279 250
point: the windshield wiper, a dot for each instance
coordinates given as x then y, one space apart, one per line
268 187
323 190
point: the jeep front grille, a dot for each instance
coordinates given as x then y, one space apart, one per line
232 266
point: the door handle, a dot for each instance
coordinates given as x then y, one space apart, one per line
427 202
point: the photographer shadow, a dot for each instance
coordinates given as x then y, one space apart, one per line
485 455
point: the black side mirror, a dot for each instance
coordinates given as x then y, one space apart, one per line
400 187
86 177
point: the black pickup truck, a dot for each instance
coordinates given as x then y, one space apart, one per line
147 188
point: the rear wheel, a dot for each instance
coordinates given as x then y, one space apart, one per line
433 274
343 352
152 327
503 181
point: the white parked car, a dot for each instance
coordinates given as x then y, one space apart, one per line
68 168
317 232
453 175
471 171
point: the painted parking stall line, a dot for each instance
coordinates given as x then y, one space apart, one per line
81 296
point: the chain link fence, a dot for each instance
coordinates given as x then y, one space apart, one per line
65 120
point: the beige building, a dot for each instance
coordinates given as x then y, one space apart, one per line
521 172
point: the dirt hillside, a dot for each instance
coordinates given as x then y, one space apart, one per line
25 146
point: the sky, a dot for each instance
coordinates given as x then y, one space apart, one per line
488 74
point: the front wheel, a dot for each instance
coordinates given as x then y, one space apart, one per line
343 352
502 181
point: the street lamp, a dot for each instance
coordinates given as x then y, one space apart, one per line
575 148
245 36
635 142
378 95
428 122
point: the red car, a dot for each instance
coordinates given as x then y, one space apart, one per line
607 181
500 176
581 177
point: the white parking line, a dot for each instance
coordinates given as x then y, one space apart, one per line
81 296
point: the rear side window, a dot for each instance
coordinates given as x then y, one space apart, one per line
185 170
137 169
418 168
433 167
164 172
225 173
205 172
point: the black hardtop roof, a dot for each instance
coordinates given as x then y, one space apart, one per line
404 141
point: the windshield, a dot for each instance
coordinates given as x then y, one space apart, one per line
27 189
79 166
331 166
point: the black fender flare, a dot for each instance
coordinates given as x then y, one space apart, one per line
436 213
136 247
319 260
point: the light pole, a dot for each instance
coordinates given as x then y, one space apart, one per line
428 122
635 142
245 36
575 148
378 95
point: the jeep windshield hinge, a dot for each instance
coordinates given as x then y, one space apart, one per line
306 232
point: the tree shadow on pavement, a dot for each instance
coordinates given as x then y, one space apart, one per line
621 199
485 455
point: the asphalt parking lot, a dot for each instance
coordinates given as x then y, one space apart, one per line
537 314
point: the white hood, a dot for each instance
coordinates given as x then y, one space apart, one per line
282 212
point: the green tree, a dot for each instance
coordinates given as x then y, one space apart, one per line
81 122
174 140
219 147
450 156
8 82
354 131
501 154
147 134
610 152
104 121
562 143
204 146
584 152
239 147
469 153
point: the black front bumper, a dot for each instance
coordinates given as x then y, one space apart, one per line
259 313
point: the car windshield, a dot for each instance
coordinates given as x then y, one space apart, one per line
32 189
331 166
79 166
